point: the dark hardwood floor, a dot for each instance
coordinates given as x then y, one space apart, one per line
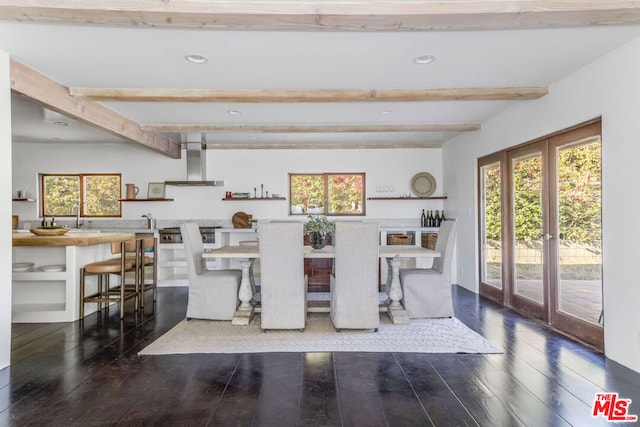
89 374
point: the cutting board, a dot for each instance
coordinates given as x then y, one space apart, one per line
241 220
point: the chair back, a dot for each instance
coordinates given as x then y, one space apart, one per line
444 244
194 248
150 244
354 287
282 283
281 252
129 246
356 248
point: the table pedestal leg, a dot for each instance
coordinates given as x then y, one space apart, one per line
395 310
244 313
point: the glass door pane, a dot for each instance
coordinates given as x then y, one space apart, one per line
527 227
579 265
491 225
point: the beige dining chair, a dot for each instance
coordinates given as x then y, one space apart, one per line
213 294
354 283
426 292
283 285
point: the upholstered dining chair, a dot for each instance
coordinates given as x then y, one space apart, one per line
426 292
213 294
283 285
354 283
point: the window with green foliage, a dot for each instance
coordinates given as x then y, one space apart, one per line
327 194
95 195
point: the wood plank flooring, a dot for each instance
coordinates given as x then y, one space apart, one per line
88 374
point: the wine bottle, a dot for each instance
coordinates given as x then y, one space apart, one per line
430 219
437 219
423 219
442 218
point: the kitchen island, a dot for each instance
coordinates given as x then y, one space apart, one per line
49 291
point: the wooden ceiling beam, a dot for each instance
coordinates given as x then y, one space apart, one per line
322 146
55 96
291 128
312 95
327 15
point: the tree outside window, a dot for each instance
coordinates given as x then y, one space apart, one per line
95 195
328 194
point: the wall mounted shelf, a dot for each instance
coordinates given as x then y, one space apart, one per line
145 200
252 198
408 198
24 200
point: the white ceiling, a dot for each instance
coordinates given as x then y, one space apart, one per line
121 57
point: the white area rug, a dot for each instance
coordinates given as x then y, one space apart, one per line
419 336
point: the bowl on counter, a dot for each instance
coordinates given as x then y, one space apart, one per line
58 231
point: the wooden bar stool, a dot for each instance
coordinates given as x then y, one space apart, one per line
143 255
149 257
106 294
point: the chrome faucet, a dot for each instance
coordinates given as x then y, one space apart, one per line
78 220
150 221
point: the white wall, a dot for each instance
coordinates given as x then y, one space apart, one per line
5 208
241 171
609 88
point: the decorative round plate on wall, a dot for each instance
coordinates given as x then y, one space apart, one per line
423 184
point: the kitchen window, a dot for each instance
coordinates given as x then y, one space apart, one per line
327 194
94 195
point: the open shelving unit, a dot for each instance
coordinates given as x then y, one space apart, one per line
146 200
408 198
252 198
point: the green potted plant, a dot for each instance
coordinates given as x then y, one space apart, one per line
317 228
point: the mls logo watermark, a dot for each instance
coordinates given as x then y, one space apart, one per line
612 408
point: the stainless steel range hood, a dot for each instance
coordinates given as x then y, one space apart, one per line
196 163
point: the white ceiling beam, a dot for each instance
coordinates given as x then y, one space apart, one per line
55 96
329 15
297 128
315 95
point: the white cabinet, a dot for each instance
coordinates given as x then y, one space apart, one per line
39 296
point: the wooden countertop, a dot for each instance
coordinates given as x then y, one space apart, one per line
70 239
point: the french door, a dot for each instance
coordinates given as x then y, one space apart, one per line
540 222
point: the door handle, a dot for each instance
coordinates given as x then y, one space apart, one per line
546 236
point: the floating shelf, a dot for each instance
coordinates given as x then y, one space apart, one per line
252 198
145 200
24 200
408 198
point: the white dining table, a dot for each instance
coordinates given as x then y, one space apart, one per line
392 253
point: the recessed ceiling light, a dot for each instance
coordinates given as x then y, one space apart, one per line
386 111
56 138
254 138
424 59
196 58
234 112
61 123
